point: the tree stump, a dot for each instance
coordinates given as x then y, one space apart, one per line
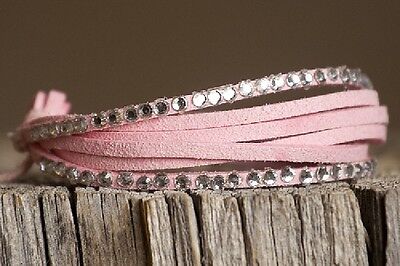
328 224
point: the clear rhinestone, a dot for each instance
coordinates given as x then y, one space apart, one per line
54 130
161 181
67 128
59 169
319 76
43 132
264 84
358 170
182 182
161 108
349 170
80 125
270 177
306 176
144 182
368 168
87 177
245 88
104 179
179 104
253 179
145 110
72 174
114 116
229 93
322 174
130 114
277 82
338 171
50 167
202 182
233 180
125 179
218 182
214 97
98 120
333 74
365 81
287 174
354 75
35 134
305 78
199 99
345 75
293 80
43 165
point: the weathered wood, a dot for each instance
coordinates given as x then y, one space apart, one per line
316 225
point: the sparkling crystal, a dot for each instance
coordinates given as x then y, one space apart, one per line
145 110
214 97
67 127
54 130
322 174
319 76
305 78
98 120
270 177
161 108
345 75
229 93
333 74
125 179
104 179
354 75
50 167
179 104
218 182
264 84
358 170
59 169
182 182
87 177
114 116
130 114
293 80
72 174
245 88
202 182
80 125
277 82
233 180
306 176
349 170
144 182
338 171
161 181
253 179
287 174
365 81
199 99
43 165
43 132
368 168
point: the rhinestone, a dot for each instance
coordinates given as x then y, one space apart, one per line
264 84
144 182
345 75
182 182
43 132
333 74
80 125
368 168
161 108
199 99
130 114
358 170
59 169
98 120
43 165
114 116
161 181
179 104
202 182
277 82
35 135
270 177
306 176
233 180
338 171
125 179
306 78
218 182
319 76
66 128
245 88
214 97
145 110
322 174
253 179
54 130
354 75
287 174
229 94
104 179
293 80
365 81
50 167
87 177
349 170
72 174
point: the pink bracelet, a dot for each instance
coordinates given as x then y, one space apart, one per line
182 143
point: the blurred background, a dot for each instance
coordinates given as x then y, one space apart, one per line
117 52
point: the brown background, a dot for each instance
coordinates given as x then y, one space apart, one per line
109 54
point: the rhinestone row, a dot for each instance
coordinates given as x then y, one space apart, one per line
211 97
254 179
